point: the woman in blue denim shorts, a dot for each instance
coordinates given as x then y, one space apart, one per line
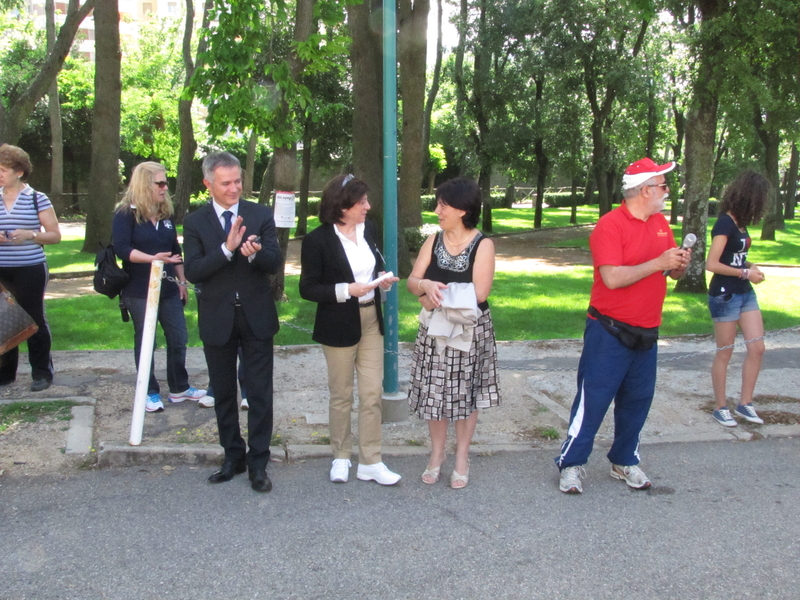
731 298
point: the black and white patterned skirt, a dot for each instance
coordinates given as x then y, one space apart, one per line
452 385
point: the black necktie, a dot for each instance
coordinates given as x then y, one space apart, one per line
227 215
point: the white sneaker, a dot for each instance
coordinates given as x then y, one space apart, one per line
190 394
340 470
633 476
206 401
244 405
153 403
570 482
378 472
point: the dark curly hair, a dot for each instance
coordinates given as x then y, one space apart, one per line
463 194
746 198
337 197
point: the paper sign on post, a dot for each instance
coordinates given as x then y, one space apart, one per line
284 210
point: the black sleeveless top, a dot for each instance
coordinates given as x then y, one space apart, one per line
446 268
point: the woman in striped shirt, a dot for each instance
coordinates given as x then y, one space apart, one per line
24 212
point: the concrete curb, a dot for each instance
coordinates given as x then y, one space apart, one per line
113 454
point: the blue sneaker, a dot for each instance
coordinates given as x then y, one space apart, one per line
154 403
748 413
190 394
723 417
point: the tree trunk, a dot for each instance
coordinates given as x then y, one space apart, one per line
573 215
104 175
250 165
432 93
701 127
183 186
791 184
56 131
412 52
13 119
588 189
267 182
511 193
485 183
541 180
285 156
677 152
285 181
773 213
305 178
366 55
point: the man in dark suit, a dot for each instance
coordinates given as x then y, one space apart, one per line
230 247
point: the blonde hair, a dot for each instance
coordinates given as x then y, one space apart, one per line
139 194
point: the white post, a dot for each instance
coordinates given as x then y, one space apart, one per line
146 352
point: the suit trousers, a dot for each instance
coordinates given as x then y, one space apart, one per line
365 359
257 361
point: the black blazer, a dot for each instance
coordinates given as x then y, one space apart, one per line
323 265
221 279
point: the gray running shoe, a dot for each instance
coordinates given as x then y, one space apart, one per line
632 475
570 482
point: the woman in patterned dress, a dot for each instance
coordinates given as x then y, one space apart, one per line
451 386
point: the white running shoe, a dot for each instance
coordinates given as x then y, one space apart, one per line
378 472
340 470
192 394
206 401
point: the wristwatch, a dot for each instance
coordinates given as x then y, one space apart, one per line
34 236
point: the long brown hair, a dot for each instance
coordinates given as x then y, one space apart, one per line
746 198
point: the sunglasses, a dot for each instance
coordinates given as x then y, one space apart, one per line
161 184
663 186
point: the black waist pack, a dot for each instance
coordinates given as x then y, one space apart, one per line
635 338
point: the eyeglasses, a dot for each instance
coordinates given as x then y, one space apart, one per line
161 184
663 186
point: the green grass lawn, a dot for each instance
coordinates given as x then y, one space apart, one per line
524 305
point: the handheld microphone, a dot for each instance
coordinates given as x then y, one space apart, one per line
689 241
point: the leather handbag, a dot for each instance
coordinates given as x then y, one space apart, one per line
16 325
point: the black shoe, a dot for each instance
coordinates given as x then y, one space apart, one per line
228 470
40 384
259 480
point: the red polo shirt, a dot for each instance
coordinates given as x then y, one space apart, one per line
620 239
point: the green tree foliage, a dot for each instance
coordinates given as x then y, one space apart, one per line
152 82
244 76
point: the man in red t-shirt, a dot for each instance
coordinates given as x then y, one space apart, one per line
632 249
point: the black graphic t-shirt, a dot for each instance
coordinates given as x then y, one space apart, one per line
733 255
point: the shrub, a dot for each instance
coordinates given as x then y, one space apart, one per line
416 236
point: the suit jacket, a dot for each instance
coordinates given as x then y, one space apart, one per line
324 264
221 279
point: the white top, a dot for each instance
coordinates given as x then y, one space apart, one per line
362 263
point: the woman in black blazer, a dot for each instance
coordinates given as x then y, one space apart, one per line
339 263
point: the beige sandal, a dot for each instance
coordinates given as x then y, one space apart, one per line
431 476
457 481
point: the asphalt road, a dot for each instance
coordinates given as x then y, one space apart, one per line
720 522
